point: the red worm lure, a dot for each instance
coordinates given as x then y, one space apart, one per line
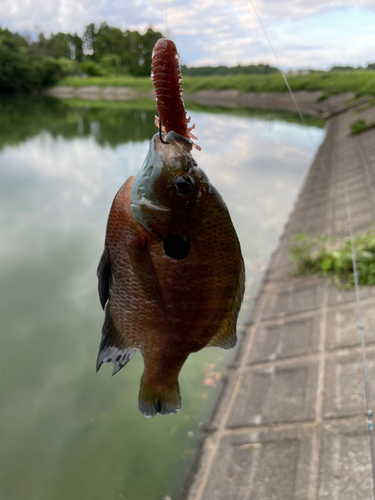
167 80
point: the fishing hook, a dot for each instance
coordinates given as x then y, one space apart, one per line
160 137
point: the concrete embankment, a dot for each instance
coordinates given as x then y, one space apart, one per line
310 103
290 422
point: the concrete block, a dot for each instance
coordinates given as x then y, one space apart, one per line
342 329
355 208
359 220
344 389
261 466
294 300
223 402
345 463
341 295
273 395
339 197
285 339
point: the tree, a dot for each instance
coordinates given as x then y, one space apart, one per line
133 49
19 70
61 45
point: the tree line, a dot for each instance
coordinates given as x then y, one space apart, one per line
29 65
250 69
370 66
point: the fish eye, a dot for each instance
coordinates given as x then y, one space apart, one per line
184 184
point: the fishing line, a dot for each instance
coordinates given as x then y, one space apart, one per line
361 334
166 18
278 65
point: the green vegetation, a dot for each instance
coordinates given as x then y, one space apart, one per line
360 82
143 84
108 56
313 256
240 69
20 71
136 104
23 117
351 68
360 126
27 66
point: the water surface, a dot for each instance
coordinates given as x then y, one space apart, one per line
66 432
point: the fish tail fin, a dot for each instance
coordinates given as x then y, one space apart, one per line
153 400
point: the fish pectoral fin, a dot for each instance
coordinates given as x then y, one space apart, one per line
154 400
225 337
144 270
104 274
114 348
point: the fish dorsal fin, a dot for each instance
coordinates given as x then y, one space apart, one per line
225 336
114 348
144 270
104 274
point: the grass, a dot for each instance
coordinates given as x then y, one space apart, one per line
141 84
313 256
138 104
360 126
332 82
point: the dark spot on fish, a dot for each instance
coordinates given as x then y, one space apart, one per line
177 246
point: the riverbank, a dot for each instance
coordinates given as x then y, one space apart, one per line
361 82
310 103
289 424
317 92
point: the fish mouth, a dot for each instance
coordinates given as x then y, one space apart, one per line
173 136
174 145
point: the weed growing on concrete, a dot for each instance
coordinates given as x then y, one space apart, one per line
315 256
360 126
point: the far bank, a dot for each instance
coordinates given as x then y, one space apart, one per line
311 103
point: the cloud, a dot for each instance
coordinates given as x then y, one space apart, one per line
304 32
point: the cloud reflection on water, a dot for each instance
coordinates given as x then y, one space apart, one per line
64 425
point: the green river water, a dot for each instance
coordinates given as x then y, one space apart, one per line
67 433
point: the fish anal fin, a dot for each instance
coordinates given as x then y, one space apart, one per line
105 277
153 400
114 348
144 270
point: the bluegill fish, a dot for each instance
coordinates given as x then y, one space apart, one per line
171 277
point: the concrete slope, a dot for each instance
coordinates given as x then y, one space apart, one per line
290 423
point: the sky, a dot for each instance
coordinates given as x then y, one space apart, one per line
304 33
